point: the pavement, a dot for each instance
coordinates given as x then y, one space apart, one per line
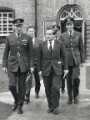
37 108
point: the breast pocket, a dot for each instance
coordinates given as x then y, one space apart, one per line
24 42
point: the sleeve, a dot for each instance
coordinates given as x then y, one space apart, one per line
63 55
6 53
81 49
40 58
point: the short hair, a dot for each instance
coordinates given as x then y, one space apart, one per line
51 27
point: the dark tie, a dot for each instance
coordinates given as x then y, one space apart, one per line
70 33
50 46
18 35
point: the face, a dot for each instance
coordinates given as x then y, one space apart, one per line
18 29
49 35
31 32
69 26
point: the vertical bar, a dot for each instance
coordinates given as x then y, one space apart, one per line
35 18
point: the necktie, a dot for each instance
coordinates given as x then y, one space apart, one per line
50 46
70 33
18 35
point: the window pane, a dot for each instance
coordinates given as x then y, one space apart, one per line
10 15
5 15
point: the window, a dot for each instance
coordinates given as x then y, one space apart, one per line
6 17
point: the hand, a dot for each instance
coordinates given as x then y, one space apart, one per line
32 69
65 73
4 69
40 73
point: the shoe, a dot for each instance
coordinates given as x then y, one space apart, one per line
14 107
76 101
20 111
49 110
56 111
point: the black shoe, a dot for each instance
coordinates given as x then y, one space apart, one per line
76 101
20 111
49 110
14 107
56 111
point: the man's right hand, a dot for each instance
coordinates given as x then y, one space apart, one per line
4 69
40 75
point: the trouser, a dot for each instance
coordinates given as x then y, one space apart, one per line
17 85
52 89
28 85
73 82
37 81
63 79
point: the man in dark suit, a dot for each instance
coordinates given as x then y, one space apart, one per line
51 53
35 42
17 61
74 52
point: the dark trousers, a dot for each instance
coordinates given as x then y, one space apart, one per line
73 82
63 79
37 81
52 89
17 85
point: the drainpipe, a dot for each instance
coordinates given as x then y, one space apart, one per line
35 18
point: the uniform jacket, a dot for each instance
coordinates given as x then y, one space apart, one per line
18 53
48 60
74 48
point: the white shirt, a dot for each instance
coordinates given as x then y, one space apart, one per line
33 40
17 35
52 44
72 32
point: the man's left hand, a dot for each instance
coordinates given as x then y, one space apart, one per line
65 73
32 69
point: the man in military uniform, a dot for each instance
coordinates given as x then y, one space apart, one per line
51 53
17 62
74 52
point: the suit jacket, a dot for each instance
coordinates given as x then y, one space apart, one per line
74 48
18 53
48 60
